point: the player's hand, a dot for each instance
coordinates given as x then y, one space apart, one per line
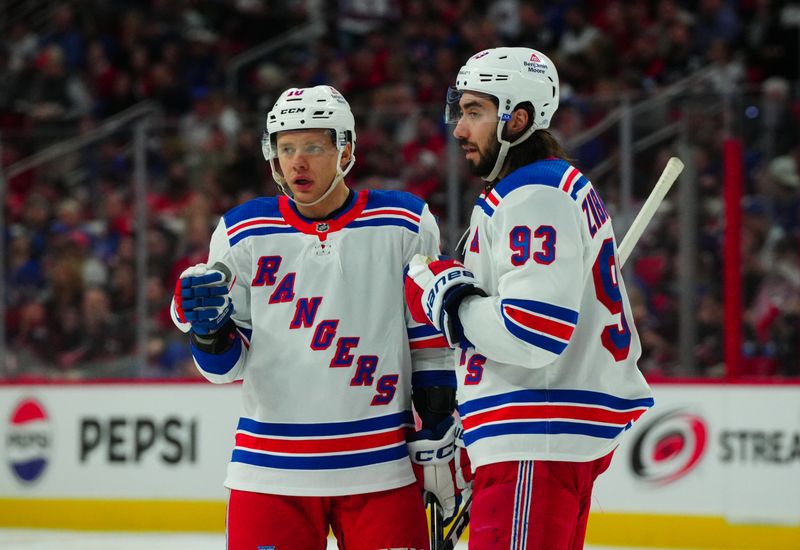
432 454
203 298
434 289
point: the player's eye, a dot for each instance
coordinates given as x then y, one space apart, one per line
314 149
286 151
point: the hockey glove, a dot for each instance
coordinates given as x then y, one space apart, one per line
434 289
432 453
202 298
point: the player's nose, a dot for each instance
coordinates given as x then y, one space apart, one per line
299 161
460 131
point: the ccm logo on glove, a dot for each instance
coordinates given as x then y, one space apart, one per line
430 455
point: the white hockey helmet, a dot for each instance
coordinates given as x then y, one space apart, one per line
513 76
320 107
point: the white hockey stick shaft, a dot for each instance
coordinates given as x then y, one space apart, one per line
437 529
671 172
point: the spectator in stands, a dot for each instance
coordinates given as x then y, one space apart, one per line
424 178
33 344
54 99
777 121
535 32
708 353
65 34
579 36
771 42
101 336
25 280
717 20
784 194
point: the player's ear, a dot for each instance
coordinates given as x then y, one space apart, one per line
346 155
518 122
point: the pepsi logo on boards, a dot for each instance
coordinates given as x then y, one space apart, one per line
29 441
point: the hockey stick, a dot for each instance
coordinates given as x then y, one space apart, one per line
437 529
459 524
671 172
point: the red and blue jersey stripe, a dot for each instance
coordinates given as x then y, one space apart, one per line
426 336
554 173
257 217
543 325
323 446
271 215
550 412
390 208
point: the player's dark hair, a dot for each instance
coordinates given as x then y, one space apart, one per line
540 145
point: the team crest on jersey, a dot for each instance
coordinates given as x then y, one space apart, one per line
322 249
322 227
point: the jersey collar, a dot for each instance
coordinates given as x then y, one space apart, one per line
321 228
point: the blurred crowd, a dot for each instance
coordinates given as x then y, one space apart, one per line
72 302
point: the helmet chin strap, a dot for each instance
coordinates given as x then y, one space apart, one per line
505 145
340 174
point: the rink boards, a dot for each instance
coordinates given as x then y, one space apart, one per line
710 466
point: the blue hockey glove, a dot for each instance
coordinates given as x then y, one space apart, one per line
203 299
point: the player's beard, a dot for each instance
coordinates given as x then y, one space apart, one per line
486 159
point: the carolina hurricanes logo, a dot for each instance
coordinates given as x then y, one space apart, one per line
669 447
28 441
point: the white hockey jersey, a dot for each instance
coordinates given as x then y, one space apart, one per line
325 351
552 374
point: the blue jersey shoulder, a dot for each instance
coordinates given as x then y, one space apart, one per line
379 198
261 207
553 173
544 172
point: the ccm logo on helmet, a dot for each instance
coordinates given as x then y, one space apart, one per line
293 110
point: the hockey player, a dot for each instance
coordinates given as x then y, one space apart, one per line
302 299
547 350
